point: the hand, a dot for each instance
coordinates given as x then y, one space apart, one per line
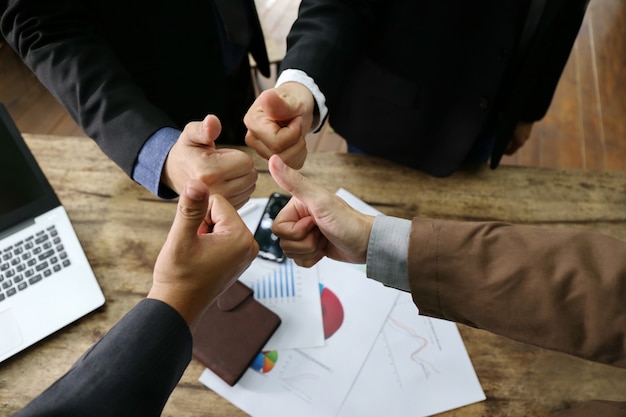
316 223
228 172
207 249
520 136
278 122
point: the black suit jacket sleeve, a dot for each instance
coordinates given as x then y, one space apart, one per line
327 34
331 34
131 371
549 53
62 45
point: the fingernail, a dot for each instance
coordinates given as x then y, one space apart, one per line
194 192
278 163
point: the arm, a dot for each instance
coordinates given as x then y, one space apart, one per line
61 44
322 45
133 369
326 39
561 289
70 51
555 41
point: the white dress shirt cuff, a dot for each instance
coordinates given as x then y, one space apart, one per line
298 76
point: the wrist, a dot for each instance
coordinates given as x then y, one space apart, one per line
189 304
298 76
368 223
360 243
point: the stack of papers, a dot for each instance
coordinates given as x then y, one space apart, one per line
347 345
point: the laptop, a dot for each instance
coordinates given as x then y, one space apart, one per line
46 281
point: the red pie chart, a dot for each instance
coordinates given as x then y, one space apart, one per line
332 311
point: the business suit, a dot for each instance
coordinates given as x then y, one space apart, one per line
131 371
430 84
124 70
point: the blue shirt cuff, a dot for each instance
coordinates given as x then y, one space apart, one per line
151 161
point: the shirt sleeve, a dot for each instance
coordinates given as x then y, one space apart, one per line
151 161
387 252
293 75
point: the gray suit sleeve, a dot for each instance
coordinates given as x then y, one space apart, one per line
131 371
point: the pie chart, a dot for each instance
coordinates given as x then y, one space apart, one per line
332 311
332 319
265 361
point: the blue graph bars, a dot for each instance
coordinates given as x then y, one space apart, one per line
281 283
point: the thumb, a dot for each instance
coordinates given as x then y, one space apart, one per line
210 129
221 213
279 107
192 210
294 182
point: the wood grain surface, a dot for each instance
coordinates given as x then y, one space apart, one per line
122 227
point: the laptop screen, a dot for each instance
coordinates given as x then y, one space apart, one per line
25 193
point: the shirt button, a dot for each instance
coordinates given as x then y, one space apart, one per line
484 103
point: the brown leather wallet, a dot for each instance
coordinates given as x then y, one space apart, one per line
232 331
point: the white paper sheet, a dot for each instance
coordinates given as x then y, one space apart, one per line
315 381
288 290
382 359
293 293
418 367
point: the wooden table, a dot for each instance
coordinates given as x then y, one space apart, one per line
122 227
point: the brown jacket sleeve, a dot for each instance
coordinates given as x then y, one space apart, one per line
560 289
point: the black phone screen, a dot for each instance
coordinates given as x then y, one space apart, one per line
269 243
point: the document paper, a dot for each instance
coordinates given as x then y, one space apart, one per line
380 357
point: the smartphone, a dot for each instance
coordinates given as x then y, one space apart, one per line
269 243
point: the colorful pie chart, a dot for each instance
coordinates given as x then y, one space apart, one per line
265 361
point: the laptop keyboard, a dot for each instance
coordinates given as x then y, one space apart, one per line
31 260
